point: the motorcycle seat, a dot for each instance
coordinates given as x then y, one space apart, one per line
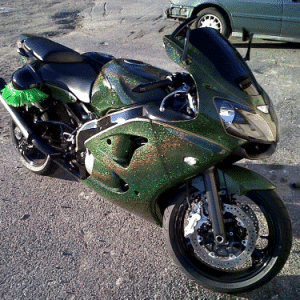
48 51
77 78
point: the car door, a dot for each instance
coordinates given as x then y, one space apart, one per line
258 16
291 19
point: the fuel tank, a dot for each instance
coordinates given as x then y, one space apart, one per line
112 89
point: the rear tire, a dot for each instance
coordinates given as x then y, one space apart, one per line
213 18
31 157
271 246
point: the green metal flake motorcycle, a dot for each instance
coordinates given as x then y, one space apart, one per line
162 146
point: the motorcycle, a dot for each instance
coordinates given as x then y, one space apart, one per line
163 146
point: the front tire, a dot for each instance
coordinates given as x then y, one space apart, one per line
267 221
213 18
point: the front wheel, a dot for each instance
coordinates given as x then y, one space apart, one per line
213 18
258 234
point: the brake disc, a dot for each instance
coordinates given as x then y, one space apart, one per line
241 238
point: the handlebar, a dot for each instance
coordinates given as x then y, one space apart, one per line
146 87
175 80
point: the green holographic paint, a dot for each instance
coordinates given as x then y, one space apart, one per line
240 181
134 175
136 183
113 87
61 94
175 145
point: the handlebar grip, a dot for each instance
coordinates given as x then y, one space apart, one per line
146 87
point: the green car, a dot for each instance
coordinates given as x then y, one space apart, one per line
277 19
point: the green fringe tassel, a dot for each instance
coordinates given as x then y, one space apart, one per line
18 98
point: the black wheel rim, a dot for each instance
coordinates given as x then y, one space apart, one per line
32 155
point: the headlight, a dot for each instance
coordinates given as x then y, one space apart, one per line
247 123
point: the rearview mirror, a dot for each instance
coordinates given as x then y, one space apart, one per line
247 36
186 43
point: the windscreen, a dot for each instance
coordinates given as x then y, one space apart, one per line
221 54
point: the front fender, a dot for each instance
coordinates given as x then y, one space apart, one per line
240 181
234 179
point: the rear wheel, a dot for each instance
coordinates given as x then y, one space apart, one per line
31 157
258 234
213 18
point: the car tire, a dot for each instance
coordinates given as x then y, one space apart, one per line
213 18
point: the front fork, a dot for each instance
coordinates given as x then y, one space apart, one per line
235 180
214 207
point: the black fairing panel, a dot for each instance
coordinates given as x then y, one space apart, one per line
77 78
25 78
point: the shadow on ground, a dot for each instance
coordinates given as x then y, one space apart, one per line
267 45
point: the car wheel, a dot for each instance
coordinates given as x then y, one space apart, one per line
213 18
